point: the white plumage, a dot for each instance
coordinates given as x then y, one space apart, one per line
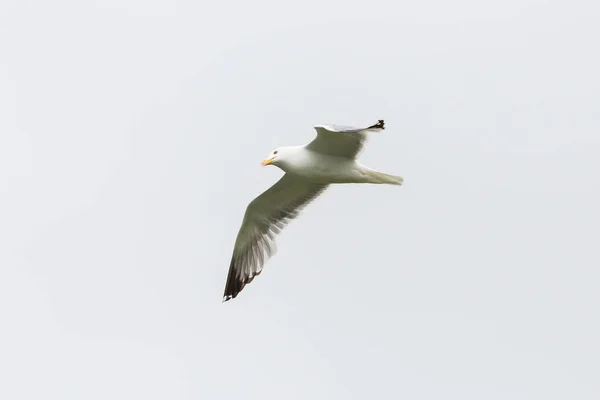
330 158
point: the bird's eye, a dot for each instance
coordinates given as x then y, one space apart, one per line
275 152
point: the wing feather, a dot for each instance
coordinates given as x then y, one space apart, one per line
341 141
265 217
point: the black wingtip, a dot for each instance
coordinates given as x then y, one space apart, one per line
379 125
235 284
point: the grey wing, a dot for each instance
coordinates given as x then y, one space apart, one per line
265 217
341 141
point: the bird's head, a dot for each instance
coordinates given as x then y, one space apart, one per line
275 156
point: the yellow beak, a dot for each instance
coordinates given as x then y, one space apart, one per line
267 161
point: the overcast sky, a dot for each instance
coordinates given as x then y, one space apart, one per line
130 139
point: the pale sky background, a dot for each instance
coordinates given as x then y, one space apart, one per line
130 139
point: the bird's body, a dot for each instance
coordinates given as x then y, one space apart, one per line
329 159
327 169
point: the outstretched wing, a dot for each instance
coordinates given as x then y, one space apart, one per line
341 141
265 217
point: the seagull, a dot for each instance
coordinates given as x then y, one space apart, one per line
309 169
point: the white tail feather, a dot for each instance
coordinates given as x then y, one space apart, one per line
383 178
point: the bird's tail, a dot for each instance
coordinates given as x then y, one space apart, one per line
383 178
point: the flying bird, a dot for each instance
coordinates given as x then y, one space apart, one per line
330 158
